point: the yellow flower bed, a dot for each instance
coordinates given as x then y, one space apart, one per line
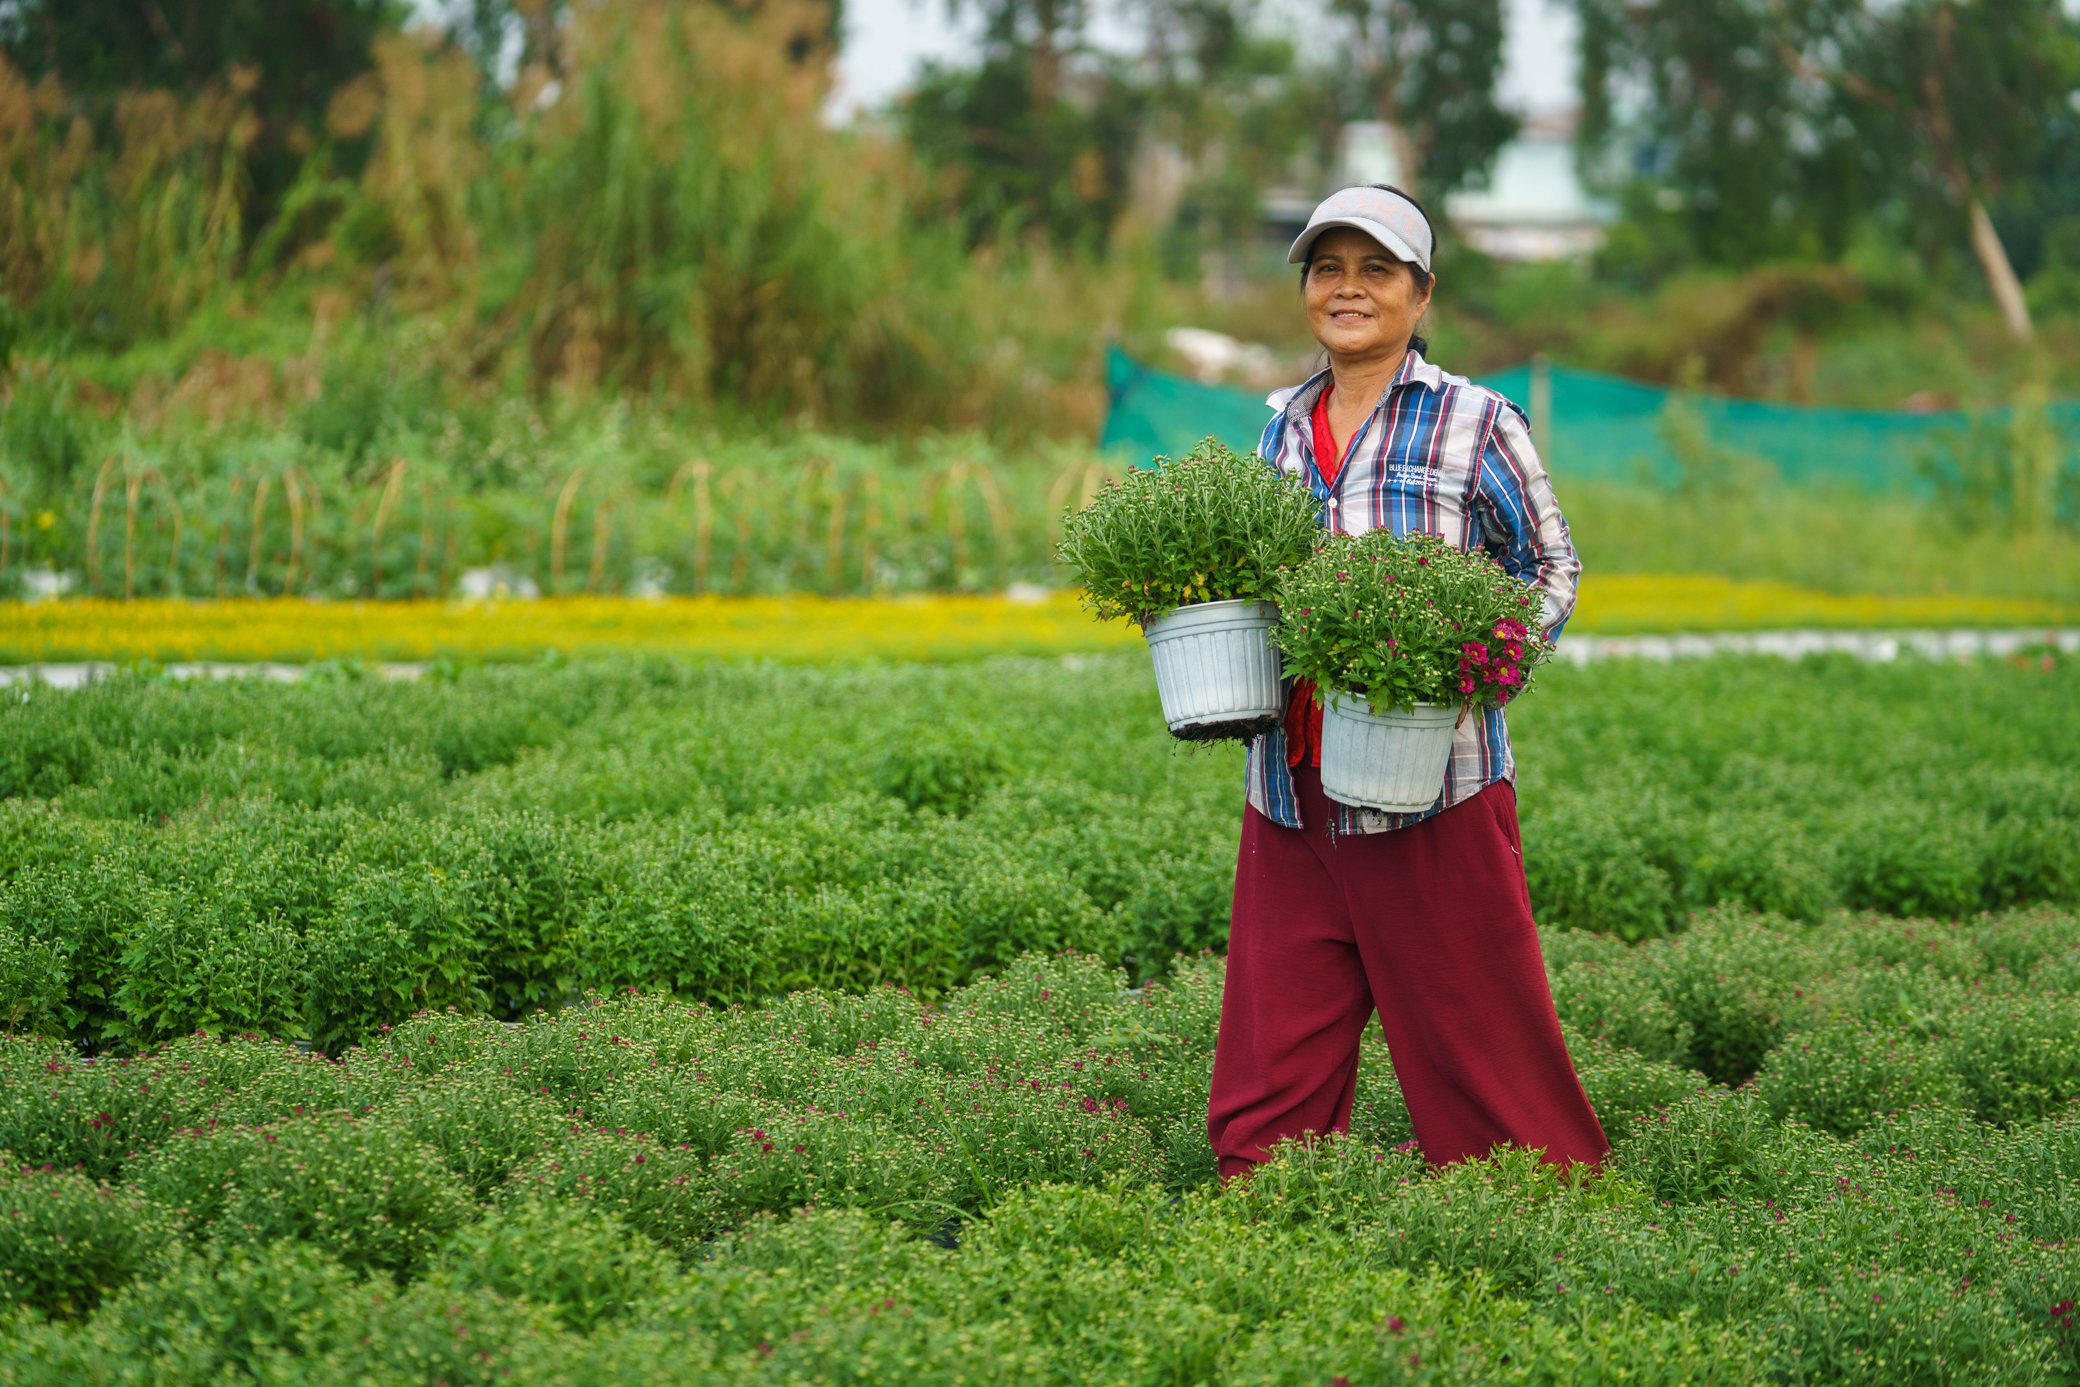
1636 603
821 629
783 628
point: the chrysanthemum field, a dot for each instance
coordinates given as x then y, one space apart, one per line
646 1021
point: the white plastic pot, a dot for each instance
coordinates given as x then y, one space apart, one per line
1217 670
1390 761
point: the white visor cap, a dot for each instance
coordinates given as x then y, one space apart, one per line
1388 218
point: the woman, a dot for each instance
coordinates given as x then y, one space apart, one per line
1424 916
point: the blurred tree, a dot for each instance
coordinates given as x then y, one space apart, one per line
1776 127
2039 213
1235 104
1037 36
1694 101
1050 134
298 51
1007 160
1954 98
513 36
1428 69
1040 135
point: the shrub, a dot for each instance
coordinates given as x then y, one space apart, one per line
734 869
1212 526
945 770
1913 859
2021 941
527 878
66 1240
1626 1087
441 1331
586 1268
480 1122
1624 1006
1409 621
1587 870
1837 1077
2016 1053
362 1188
57 1109
1758 861
1719 1145
398 939
83 911
1732 978
200 958
35 983
233 1312
663 1192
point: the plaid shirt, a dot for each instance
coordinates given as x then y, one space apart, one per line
1438 455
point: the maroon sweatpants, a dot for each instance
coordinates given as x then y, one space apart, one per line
1431 924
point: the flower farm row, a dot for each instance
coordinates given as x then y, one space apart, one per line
312 860
1847 1146
1014 1183
817 630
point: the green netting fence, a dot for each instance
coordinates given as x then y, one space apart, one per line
1593 425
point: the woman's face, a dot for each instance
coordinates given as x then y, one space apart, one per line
1361 301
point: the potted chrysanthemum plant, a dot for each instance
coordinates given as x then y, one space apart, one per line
1403 638
1190 551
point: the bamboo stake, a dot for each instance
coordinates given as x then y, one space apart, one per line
740 562
1058 496
999 516
253 543
945 483
216 562
870 528
445 583
315 502
94 523
293 490
173 507
393 483
131 484
425 537
558 528
602 519
703 514
819 470
834 537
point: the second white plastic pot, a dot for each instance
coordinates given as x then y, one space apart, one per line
1391 761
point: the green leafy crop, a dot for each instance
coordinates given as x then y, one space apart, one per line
1408 621
1211 527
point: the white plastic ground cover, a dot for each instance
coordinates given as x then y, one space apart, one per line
1577 649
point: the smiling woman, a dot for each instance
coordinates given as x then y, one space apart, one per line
1338 909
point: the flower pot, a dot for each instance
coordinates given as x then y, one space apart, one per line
1216 669
1390 761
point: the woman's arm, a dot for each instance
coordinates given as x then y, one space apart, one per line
1521 522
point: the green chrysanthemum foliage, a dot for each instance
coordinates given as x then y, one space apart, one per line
1213 526
1408 621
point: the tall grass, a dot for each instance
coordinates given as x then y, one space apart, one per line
664 214
100 239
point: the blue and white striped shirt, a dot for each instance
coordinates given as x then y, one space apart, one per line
1438 455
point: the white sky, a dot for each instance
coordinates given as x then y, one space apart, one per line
887 41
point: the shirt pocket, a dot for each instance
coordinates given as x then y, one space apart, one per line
1408 495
